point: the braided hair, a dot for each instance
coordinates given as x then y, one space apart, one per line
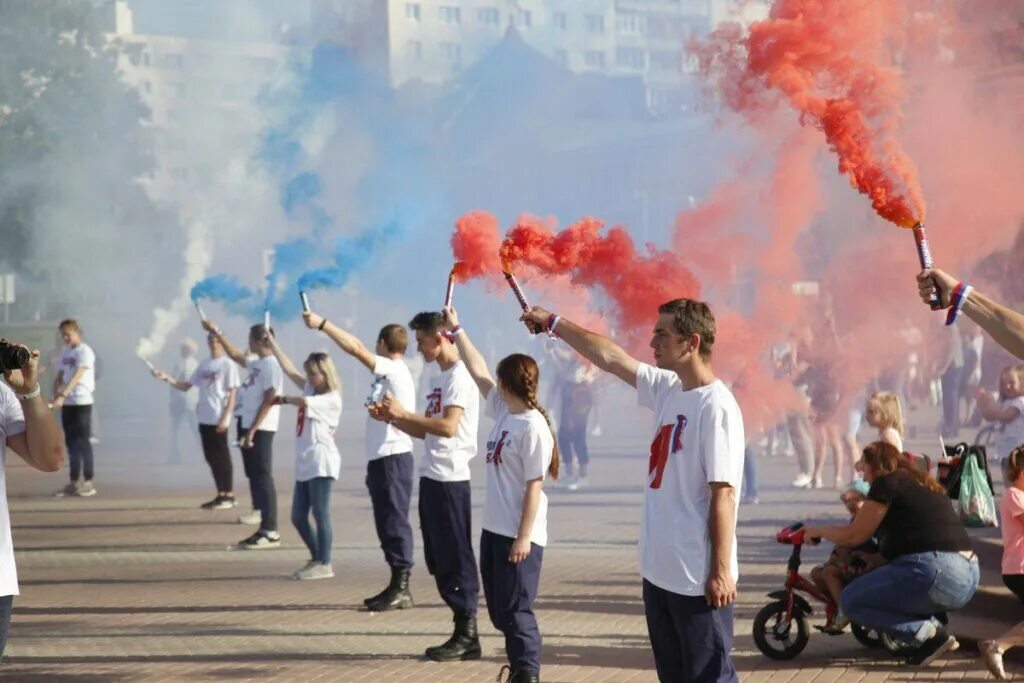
520 376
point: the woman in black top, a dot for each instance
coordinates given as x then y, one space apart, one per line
930 565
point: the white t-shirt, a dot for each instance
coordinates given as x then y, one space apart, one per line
80 356
264 373
698 440
12 422
382 439
447 459
316 453
215 378
1010 434
519 450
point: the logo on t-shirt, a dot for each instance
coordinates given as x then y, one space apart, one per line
434 403
494 448
254 373
209 376
668 441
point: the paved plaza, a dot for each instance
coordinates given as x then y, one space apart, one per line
139 584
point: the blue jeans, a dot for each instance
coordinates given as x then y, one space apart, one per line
6 603
314 495
901 597
749 474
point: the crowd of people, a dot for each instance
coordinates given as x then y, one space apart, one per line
903 560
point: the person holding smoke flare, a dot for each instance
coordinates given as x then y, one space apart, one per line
218 381
389 461
448 428
317 460
73 391
688 533
257 425
521 450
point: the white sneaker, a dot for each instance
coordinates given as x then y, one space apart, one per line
86 489
311 563
581 482
572 484
803 481
317 571
254 517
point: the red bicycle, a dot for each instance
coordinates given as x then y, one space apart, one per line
781 629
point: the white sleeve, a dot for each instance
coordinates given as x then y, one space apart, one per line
194 377
536 448
650 384
495 407
721 443
85 357
273 378
324 408
383 367
457 391
232 379
11 412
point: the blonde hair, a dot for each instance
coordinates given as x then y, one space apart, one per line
1017 369
322 363
888 405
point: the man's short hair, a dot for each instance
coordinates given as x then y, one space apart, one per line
430 322
395 338
256 331
69 325
692 317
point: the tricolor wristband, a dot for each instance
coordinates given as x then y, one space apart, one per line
957 301
454 331
552 321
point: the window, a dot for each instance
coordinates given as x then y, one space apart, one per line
594 23
488 16
449 14
594 59
630 24
414 49
523 18
666 60
560 21
451 52
562 57
173 61
412 11
630 58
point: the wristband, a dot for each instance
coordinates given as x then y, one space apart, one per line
957 301
452 333
38 391
552 321
321 325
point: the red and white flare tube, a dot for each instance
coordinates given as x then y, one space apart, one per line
924 255
450 293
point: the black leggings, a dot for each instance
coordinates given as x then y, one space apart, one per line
218 456
77 423
1015 582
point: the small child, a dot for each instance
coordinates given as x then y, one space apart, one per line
1008 412
883 412
846 563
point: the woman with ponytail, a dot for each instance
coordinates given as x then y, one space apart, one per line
521 450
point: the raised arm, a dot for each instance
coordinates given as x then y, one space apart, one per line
179 384
40 444
991 410
297 378
347 342
1005 326
598 349
473 359
232 351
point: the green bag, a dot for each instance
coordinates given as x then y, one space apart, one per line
976 504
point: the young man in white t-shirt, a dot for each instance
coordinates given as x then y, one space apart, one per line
257 425
73 391
389 463
695 471
449 431
26 426
218 381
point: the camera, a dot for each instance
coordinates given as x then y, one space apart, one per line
13 356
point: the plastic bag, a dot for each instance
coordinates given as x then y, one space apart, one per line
976 504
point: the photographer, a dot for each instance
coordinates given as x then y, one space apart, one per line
28 427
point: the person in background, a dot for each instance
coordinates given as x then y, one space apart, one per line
73 391
951 371
182 404
576 398
884 413
29 429
1007 412
218 381
971 380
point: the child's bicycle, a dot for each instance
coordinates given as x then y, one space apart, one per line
781 629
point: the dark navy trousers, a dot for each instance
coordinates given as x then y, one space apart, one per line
445 519
389 480
691 641
510 590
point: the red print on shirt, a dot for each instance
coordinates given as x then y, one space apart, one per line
494 448
300 421
668 440
434 403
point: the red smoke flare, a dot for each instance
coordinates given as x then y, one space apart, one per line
825 57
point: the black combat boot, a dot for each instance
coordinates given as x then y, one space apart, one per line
464 643
396 595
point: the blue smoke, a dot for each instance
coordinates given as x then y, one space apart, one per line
349 254
223 288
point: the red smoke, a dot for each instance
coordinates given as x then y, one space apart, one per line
827 59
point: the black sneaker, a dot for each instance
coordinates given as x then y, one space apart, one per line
932 649
223 503
210 504
260 541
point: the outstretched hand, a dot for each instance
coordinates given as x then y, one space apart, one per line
935 280
312 320
536 319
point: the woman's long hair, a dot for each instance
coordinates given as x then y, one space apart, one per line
884 458
519 375
322 363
